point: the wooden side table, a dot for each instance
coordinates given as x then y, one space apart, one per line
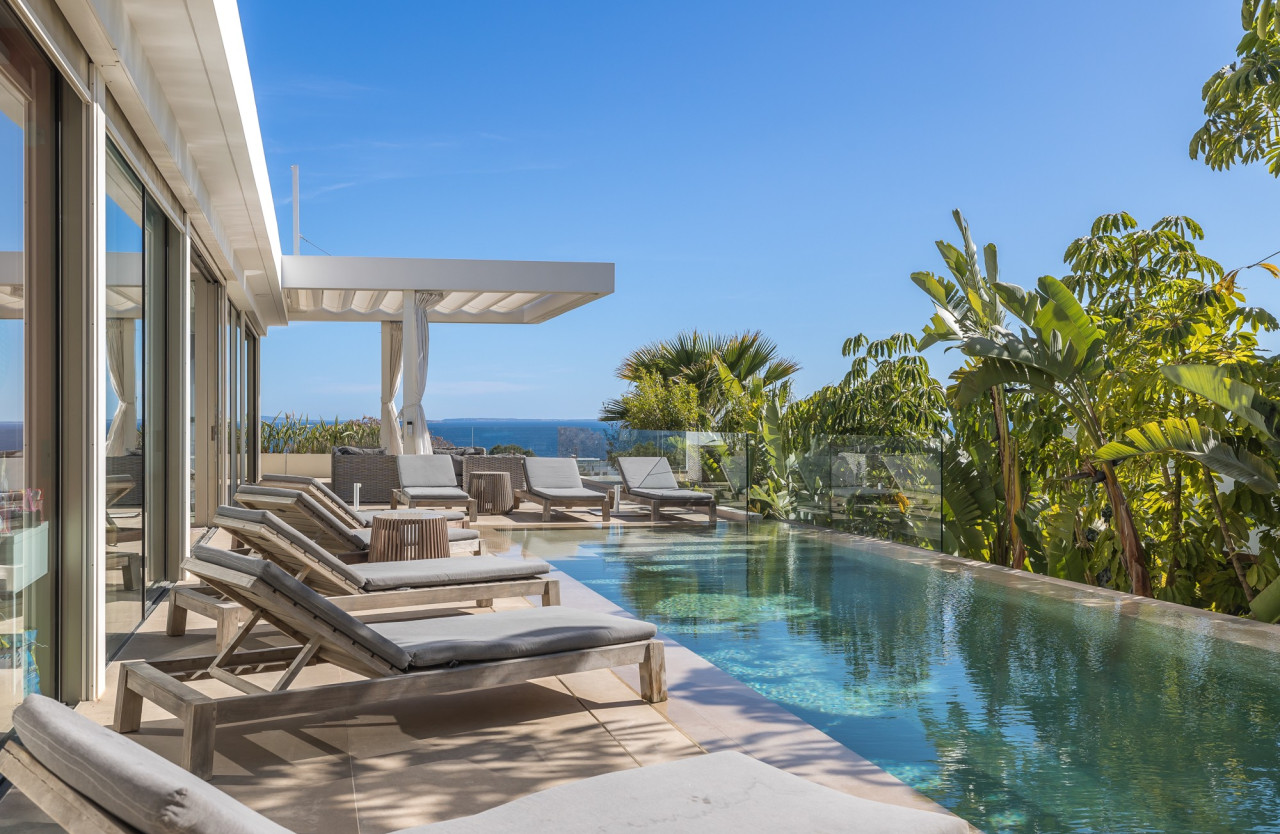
401 535
492 492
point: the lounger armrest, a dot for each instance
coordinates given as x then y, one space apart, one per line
355 557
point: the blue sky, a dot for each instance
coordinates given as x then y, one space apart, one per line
746 165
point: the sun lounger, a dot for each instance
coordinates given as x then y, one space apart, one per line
89 780
304 513
650 481
361 585
327 498
402 659
555 483
429 481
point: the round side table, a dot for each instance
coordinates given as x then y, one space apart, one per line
492 491
401 535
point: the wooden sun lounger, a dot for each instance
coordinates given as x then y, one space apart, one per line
554 483
329 499
650 481
326 632
307 516
330 575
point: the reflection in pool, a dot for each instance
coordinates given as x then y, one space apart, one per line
1021 712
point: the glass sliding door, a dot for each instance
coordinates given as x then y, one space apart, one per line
28 368
126 377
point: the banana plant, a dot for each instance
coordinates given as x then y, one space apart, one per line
968 307
1061 353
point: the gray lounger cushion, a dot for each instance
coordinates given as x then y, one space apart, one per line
509 634
719 793
302 596
366 516
646 473
689 495
426 471
128 780
542 474
283 529
451 492
457 570
576 494
456 534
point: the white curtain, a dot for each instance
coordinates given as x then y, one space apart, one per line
120 368
392 343
417 440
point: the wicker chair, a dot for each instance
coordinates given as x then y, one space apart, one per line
376 474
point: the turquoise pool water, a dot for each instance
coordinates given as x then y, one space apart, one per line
1020 712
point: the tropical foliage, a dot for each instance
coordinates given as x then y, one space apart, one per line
711 365
299 435
1242 100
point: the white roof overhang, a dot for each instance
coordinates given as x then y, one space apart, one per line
180 72
330 288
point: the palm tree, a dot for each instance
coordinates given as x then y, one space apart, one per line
697 357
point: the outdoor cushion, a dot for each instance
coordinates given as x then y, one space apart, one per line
646 473
456 570
302 596
126 779
282 528
571 494
552 473
504 635
435 492
426 471
718 793
671 494
456 534
357 450
366 516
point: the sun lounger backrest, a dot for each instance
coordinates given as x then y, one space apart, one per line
304 514
552 473
292 607
318 490
126 780
276 540
647 473
426 471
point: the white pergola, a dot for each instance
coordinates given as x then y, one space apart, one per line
407 294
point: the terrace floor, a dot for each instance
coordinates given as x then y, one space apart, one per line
395 765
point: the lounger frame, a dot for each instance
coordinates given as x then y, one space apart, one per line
549 503
165 682
656 505
74 812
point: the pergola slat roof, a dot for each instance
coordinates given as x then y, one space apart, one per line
333 288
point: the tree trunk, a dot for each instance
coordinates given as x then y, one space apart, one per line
1228 540
1174 485
1012 481
1135 559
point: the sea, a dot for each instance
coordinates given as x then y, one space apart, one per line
583 438
545 438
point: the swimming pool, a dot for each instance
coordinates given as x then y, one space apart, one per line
1019 711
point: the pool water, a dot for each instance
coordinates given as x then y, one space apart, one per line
1020 712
